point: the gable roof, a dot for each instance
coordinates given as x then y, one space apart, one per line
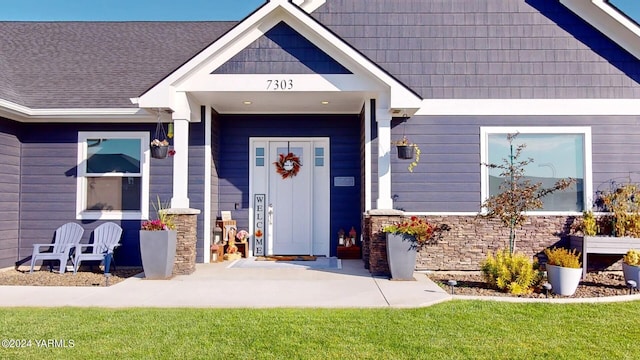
486 49
439 49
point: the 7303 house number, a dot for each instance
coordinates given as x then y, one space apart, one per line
283 84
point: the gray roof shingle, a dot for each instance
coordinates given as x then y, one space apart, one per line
89 64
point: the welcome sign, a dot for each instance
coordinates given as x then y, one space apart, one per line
258 221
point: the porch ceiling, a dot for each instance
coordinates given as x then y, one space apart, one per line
283 102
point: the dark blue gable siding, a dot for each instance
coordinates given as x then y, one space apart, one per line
282 50
48 194
448 176
344 132
9 189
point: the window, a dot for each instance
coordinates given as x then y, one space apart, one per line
113 176
557 152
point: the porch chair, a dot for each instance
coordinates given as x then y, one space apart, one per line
106 238
66 238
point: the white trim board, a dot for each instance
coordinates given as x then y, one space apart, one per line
522 107
23 113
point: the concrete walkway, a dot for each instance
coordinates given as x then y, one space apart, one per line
217 286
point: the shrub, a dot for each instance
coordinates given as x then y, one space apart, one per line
632 258
563 257
513 273
589 224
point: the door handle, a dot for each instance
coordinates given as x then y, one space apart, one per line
270 212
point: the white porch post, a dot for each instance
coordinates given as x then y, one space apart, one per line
180 197
384 160
368 111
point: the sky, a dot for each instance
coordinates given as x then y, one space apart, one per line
126 10
159 10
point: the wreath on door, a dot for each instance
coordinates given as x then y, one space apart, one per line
288 165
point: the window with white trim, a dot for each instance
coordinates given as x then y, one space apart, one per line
113 176
557 153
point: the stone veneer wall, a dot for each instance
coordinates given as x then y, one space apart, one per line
186 221
467 244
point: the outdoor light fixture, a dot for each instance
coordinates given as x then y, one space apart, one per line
452 284
547 288
631 284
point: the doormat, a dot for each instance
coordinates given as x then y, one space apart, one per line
286 258
320 263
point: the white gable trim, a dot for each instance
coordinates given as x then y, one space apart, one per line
255 26
608 20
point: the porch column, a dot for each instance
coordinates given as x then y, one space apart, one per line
384 200
180 199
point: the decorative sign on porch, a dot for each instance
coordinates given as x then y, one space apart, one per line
258 221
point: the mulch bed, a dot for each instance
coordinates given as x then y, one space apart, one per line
593 286
82 278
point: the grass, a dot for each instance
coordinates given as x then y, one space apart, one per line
452 330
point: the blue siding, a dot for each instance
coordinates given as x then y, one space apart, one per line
448 176
282 50
344 134
9 190
196 179
486 49
48 196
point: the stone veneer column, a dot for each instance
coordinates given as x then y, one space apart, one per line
375 240
186 221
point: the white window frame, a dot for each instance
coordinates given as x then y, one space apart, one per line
485 131
81 195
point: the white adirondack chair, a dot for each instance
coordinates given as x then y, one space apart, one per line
105 240
66 238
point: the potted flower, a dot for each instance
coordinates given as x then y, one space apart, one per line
406 151
403 242
563 270
159 148
158 244
631 266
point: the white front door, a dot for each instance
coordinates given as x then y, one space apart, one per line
297 212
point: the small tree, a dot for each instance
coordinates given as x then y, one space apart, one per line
517 194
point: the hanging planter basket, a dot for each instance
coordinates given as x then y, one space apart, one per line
405 152
160 144
159 151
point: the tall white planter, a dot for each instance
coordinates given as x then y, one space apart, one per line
564 281
401 256
631 273
158 252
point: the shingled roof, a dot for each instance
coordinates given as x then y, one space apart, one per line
94 65
440 49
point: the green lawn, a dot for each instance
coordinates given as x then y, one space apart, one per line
451 330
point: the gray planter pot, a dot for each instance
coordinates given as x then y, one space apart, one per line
158 251
564 281
631 273
401 256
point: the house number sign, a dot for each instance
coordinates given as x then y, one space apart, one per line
280 84
258 221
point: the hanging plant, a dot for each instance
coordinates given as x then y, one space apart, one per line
288 165
160 144
406 151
